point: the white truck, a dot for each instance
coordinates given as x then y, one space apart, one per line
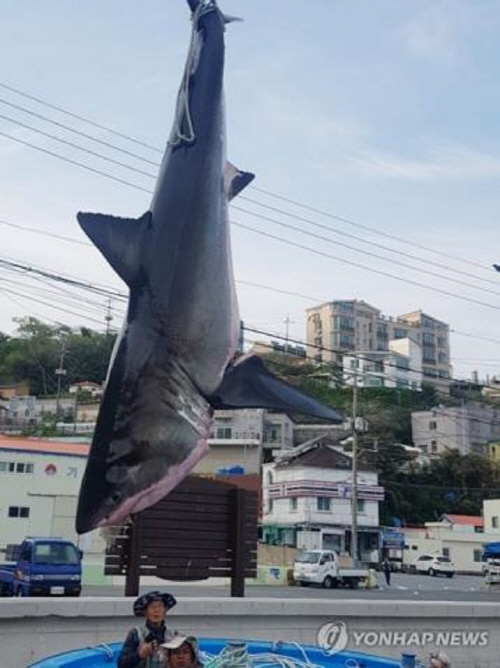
321 567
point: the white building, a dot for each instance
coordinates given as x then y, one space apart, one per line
93 389
458 537
400 366
308 490
468 428
245 439
491 516
39 486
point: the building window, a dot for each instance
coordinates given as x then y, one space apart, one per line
224 432
433 424
16 467
446 552
494 522
269 478
323 503
478 555
293 503
19 511
269 505
361 506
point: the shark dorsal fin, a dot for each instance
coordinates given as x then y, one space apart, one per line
235 180
118 239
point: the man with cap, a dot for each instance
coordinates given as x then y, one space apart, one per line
140 649
181 652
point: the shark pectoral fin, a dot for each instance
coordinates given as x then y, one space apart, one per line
118 239
227 18
248 384
235 180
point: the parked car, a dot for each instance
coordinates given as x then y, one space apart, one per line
433 564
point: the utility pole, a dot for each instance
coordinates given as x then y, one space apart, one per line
60 371
354 496
108 317
288 322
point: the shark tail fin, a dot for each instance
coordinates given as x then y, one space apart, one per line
118 239
248 384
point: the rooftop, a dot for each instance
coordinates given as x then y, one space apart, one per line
43 446
468 520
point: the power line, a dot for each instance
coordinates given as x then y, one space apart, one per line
33 230
357 238
364 227
80 118
114 147
287 241
77 146
277 336
75 162
264 191
107 292
360 250
77 132
361 266
53 306
380 272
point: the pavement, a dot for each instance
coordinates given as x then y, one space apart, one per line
403 587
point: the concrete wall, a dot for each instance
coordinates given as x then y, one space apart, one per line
33 629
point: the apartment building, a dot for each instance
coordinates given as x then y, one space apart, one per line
469 428
347 326
400 366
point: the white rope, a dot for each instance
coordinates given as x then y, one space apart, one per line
183 103
239 657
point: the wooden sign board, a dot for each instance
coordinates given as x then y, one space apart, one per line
204 528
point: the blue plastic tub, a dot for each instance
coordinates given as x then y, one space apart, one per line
105 655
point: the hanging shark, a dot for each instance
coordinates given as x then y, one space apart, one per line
173 363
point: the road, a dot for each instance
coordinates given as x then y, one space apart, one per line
403 587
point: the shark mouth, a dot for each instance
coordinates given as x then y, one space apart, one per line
153 494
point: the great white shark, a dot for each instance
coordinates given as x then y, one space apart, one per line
173 362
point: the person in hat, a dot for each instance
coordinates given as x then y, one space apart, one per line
439 660
141 646
181 652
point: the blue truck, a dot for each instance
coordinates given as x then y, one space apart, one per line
43 567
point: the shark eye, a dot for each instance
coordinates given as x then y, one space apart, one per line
116 497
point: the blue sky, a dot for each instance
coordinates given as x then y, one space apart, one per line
382 112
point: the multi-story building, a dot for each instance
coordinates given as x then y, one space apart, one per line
434 337
400 366
39 486
346 326
245 439
468 428
308 489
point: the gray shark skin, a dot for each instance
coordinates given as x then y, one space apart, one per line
172 363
